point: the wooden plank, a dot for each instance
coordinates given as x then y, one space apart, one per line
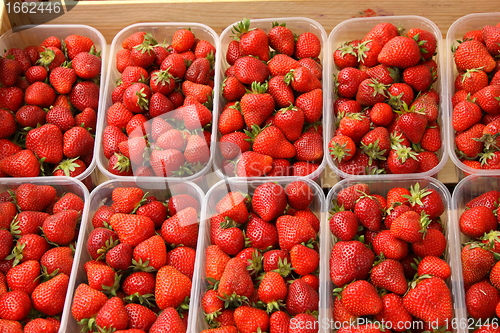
111 16
4 20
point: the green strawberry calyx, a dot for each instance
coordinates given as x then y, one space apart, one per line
240 28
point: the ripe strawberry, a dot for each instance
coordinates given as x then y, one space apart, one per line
308 45
466 144
301 298
389 275
165 162
430 300
34 197
393 312
408 227
261 234
197 150
58 259
344 225
204 49
85 95
371 92
368 51
304 260
76 44
139 284
402 160
281 39
472 80
40 325
346 55
418 77
40 94
86 65
257 105
112 315
77 141
51 57
140 317
426 41
311 103
120 257
180 201
302 80
486 98
235 280
11 70
249 69
8 123
11 98
348 80
60 228
132 229
477 262
473 54
481 300
293 230
87 302
350 260
182 40
182 258
168 321
181 228
48 297
249 319
477 221
14 305
361 298
465 114
400 52
24 277
250 164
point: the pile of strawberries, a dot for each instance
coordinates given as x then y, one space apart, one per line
480 254
160 119
476 101
271 122
387 264
262 263
38 231
49 95
142 254
386 108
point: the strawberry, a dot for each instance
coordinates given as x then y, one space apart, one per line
40 94
180 201
11 70
182 40
61 117
46 142
371 92
11 98
132 229
299 194
369 213
361 298
175 64
472 80
197 150
301 298
368 51
491 39
344 225
30 116
182 258
204 49
427 200
393 312
139 316
139 284
476 263
199 71
14 305
308 45
151 252
112 315
98 241
136 98
168 321
402 160
293 230
487 199
302 80
281 39
76 44
120 257
77 141
235 280
166 162
249 319
418 77
346 55
24 277
100 276
230 120
85 95
272 142
58 258
348 80
400 52
473 54
466 144
257 105
426 41
311 103
252 42
477 221
348 196
181 228
465 114
86 65
290 120
429 299
8 123
304 260
342 148
51 57
34 197
487 99
216 261
350 260
250 164
248 70
60 228
87 302
354 125
48 297
40 325
408 226
309 147
201 92
481 300
389 275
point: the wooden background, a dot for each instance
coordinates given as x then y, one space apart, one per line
109 17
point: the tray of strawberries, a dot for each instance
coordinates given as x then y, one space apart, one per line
474 90
39 231
387 92
258 265
475 203
157 117
271 111
49 99
137 257
392 259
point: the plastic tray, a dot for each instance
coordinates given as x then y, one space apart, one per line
466 190
298 25
356 28
102 195
452 254
456 32
160 31
23 36
62 185
217 192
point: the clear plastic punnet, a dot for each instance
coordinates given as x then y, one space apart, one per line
451 254
298 25
162 32
246 186
456 33
101 195
62 185
23 36
356 28
467 189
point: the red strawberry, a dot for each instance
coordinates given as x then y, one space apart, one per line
349 261
60 228
360 298
473 54
34 197
465 114
51 57
344 225
301 298
182 258
257 105
368 51
58 258
430 300
112 315
140 317
197 150
477 221
302 80
11 98
14 305
120 257
368 210
394 313
11 70
253 42
235 280
85 95
39 94
24 277
203 49
311 103
166 162
76 44
418 77
402 160
87 302
181 228
481 300
86 65
282 39
182 40
249 319
251 164
486 98
151 251
308 45
77 142
168 321
400 52
304 259
132 229
426 41
265 194
371 92
40 325
389 275
180 201
48 297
